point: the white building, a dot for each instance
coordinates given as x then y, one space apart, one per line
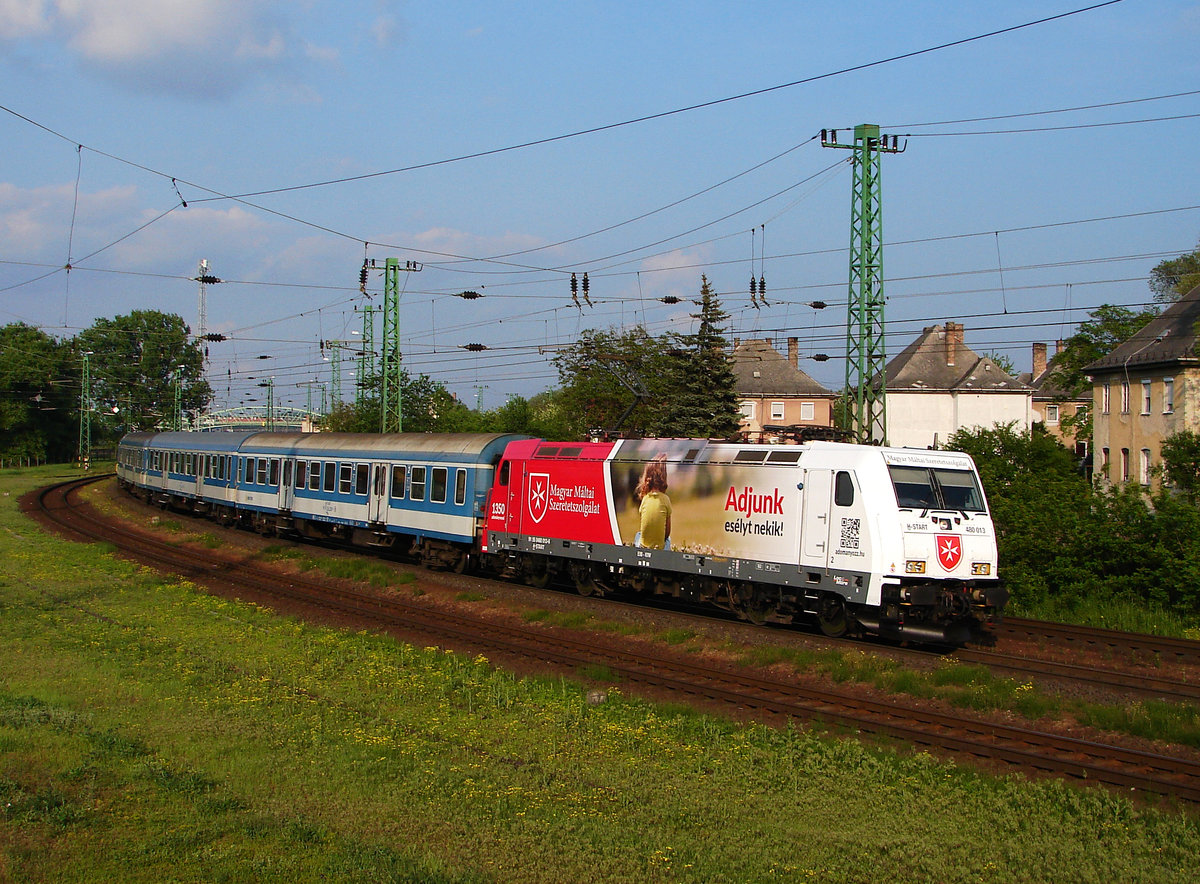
938 386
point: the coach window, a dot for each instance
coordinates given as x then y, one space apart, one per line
345 478
330 475
843 489
460 487
301 473
416 484
273 473
362 478
398 483
263 466
250 462
437 485
314 476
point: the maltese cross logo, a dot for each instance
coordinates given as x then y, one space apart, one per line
539 495
949 551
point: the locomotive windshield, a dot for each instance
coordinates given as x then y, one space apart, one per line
936 489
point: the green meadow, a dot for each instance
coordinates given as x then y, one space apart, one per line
150 732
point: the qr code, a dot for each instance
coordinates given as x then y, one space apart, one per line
850 529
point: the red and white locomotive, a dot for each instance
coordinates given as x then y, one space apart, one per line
896 542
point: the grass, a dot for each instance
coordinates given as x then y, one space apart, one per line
150 732
363 569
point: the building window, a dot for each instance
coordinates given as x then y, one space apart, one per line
1051 414
748 410
1168 395
1144 467
808 411
1104 461
1146 397
1124 464
1105 392
776 411
1124 397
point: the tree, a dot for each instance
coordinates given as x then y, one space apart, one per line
609 380
136 361
636 384
700 400
1181 464
39 395
1108 327
1175 277
426 407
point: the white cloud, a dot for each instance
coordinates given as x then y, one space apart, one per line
198 48
23 18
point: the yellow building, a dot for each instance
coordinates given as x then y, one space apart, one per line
1145 390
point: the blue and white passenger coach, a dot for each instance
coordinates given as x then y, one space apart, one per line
426 490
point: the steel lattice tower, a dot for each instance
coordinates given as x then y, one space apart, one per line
390 393
866 352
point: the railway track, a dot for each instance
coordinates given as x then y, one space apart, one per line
1109 642
1025 749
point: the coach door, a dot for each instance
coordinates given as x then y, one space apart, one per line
287 488
377 505
814 520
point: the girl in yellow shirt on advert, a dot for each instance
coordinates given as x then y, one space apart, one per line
655 508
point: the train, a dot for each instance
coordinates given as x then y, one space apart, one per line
857 539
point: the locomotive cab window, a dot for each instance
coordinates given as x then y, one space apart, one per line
959 490
843 489
922 488
504 471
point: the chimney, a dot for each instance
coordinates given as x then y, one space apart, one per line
1039 360
794 352
954 340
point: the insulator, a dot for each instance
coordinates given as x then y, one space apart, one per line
585 285
753 287
469 296
574 285
818 305
833 138
824 140
820 357
362 279
475 348
670 299
762 287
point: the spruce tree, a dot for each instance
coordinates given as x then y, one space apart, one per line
699 399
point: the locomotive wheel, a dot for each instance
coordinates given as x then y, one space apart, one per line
751 607
832 616
537 574
585 584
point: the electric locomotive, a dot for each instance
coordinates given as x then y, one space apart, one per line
896 542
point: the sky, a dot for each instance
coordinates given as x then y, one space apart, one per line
501 147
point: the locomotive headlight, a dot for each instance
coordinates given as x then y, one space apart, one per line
914 566
981 568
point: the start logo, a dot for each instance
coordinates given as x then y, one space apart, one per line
949 551
539 495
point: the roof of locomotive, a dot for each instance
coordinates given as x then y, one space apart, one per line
685 451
